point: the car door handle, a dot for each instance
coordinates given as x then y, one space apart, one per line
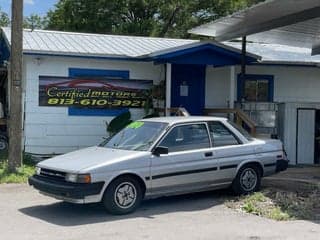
208 154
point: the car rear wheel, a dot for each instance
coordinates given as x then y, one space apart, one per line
123 195
248 180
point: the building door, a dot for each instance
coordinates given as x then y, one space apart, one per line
188 87
306 136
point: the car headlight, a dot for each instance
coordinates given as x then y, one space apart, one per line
38 170
78 178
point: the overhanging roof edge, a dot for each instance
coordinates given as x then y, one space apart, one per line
202 43
258 18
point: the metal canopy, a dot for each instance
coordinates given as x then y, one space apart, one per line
289 22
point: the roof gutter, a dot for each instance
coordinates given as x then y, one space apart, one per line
98 57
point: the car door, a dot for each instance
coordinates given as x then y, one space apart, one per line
228 150
189 163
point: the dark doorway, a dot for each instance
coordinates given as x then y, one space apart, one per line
188 87
3 107
317 139
3 91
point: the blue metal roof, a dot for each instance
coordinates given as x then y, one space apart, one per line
205 54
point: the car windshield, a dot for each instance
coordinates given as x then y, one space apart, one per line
138 136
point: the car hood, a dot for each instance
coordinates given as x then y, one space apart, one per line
74 162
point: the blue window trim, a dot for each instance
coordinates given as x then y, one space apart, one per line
253 77
80 72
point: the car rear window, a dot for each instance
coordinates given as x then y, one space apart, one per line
242 131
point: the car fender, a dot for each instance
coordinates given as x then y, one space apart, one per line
124 172
248 162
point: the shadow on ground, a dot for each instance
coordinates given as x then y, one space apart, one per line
65 214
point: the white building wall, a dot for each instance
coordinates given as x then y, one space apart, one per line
50 130
297 87
217 87
291 84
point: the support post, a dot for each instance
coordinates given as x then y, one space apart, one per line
168 87
232 87
243 56
243 63
15 111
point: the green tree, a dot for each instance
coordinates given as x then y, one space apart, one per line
161 18
84 16
34 21
4 19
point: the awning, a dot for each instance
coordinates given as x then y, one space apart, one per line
288 22
203 53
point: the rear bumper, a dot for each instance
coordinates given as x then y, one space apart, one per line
282 165
71 192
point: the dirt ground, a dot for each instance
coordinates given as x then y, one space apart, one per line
295 191
25 214
306 174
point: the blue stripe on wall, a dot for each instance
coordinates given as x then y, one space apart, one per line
86 72
83 72
73 111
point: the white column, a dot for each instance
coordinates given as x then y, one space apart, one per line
168 87
232 86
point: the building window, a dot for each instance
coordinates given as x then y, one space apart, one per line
255 88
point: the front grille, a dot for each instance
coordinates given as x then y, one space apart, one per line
53 174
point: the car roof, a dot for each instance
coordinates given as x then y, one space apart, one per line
175 120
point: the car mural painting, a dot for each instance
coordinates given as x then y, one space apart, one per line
93 93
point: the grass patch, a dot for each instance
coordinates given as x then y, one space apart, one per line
280 205
21 175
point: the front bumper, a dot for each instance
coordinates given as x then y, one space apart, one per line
71 192
282 165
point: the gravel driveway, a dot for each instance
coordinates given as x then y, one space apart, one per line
25 214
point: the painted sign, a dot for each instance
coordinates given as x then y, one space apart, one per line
93 93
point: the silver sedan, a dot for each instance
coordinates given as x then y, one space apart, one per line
160 157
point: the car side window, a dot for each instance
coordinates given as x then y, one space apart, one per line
186 137
221 135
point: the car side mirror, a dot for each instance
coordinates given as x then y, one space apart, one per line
160 150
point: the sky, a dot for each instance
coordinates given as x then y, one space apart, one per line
39 7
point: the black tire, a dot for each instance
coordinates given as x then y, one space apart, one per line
248 180
123 195
3 144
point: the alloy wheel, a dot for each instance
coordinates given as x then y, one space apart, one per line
125 195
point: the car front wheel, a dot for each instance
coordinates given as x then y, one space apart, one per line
3 143
248 180
123 195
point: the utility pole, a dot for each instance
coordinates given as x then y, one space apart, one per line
15 107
